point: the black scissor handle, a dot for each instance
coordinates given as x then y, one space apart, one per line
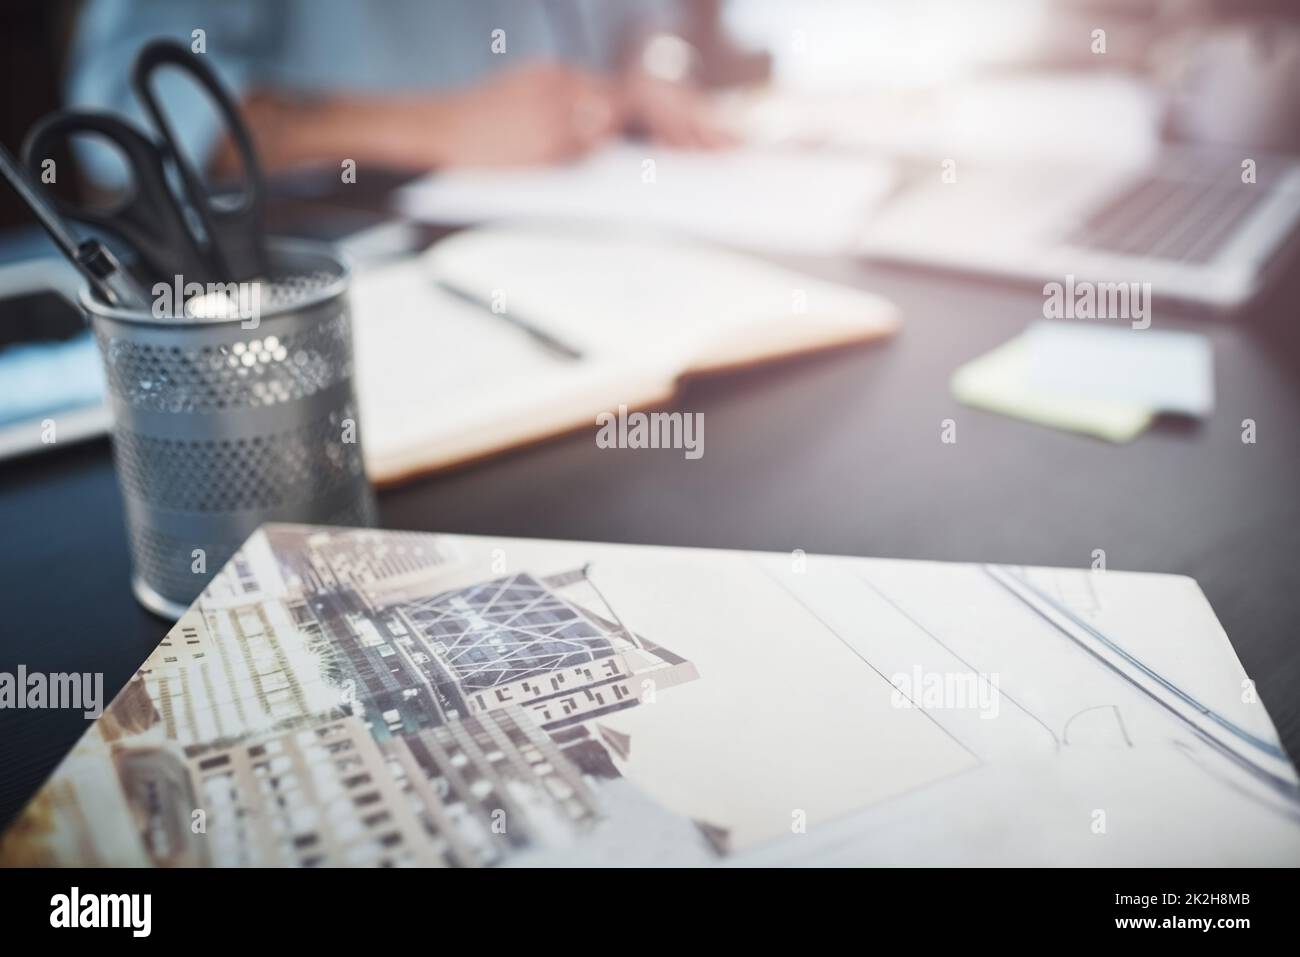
147 216
234 230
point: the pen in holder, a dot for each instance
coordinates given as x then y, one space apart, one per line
222 424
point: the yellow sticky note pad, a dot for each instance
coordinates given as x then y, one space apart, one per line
999 381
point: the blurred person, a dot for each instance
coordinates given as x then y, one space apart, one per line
408 84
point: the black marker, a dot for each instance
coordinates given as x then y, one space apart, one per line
91 257
539 335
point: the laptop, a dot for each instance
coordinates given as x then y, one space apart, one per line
1189 221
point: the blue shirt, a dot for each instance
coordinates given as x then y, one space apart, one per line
335 46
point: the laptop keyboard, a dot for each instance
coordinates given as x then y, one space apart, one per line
1186 214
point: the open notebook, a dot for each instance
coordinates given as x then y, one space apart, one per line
442 380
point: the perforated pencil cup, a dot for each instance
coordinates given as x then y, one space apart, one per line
222 424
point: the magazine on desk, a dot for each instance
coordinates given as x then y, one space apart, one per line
360 697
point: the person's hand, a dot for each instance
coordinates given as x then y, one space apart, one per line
532 115
671 114
544 113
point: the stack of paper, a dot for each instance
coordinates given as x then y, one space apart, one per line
770 200
1100 380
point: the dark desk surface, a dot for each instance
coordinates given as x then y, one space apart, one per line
834 453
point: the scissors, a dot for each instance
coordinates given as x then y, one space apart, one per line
185 231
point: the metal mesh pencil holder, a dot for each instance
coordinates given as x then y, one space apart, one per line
220 425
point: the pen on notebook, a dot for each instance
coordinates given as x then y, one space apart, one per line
540 335
91 257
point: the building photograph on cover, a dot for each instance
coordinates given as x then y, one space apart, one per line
348 697
315 713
